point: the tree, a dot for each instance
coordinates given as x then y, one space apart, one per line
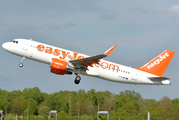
176 111
43 110
62 115
132 94
81 107
92 97
34 94
176 100
51 102
91 108
165 105
122 113
108 104
15 94
17 106
25 104
100 99
32 107
124 105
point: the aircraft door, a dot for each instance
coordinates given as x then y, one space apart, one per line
135 74
26 45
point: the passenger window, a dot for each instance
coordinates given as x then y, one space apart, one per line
16 42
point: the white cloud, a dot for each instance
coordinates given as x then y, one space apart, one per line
172 9
175 9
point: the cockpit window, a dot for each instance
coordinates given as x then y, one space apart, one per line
14 41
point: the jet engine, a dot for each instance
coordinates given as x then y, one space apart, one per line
61 67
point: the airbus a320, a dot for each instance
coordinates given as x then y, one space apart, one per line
64 61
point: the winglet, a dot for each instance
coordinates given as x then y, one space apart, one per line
108 52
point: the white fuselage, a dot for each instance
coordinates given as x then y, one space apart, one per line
105 70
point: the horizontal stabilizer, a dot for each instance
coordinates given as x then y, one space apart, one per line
158 78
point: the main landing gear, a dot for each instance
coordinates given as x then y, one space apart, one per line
77 79
21 64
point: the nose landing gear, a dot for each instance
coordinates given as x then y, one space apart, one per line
77 79
21 64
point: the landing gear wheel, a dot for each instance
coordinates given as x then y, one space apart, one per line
77 79
20 65
77 82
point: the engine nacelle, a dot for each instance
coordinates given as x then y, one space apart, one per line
58 72
60 67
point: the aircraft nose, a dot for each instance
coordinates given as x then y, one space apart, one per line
5 46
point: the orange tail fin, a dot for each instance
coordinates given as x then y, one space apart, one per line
158 65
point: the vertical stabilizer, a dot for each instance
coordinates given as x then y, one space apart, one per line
158 65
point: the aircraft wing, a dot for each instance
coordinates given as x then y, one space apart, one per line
88 61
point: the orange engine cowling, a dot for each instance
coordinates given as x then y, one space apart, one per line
60 67
58 72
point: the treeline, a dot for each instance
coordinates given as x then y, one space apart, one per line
126 105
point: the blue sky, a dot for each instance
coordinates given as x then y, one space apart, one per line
140 29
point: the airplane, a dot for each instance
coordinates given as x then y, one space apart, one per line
64 61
